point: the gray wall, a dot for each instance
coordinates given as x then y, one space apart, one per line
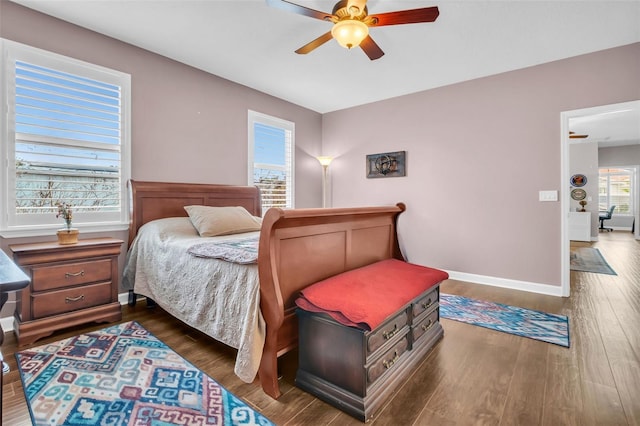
583 159
188 125
478 152
619 156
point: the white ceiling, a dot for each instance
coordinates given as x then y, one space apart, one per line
617 125
247 42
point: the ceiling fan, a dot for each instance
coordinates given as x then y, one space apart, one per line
573 135
351 22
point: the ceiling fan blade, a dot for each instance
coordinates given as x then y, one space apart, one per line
300 10
412 16
370 47
572 135
315 43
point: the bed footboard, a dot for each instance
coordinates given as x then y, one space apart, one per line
302 246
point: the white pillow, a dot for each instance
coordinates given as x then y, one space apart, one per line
213 221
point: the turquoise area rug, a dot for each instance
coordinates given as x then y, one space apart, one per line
123 375
536 325
588 259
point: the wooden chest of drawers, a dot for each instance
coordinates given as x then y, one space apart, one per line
70 285
357 370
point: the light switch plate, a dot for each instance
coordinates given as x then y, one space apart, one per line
548 195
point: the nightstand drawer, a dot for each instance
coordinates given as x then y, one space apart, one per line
70 274
71 284
72 299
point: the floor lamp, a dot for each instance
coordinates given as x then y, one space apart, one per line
324 161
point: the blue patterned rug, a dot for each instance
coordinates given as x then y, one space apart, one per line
588 259
123 375
536 325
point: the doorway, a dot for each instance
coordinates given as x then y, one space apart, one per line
608 125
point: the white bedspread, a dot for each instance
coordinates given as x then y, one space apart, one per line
219 298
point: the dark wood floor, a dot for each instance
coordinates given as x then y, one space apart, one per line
474 375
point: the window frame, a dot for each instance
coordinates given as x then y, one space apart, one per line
632 172
254 117
38 225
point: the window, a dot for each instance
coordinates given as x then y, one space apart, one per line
271 147
66 127
616 188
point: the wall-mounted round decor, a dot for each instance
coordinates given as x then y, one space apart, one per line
578 180
578 194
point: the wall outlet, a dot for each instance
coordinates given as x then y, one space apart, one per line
548 196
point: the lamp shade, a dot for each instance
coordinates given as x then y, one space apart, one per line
324 160
349 32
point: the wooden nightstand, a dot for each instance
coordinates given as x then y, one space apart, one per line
70 285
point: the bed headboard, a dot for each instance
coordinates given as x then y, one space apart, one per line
156 200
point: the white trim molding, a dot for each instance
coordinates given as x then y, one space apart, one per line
548 289
565 246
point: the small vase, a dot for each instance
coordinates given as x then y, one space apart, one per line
67 235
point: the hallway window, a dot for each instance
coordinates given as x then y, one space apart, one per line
616 188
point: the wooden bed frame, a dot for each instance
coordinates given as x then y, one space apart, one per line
297 248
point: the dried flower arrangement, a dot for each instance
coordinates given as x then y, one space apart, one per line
65 212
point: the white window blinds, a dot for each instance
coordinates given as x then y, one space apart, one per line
616 188
68 139
271 159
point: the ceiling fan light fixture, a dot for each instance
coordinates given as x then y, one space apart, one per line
349 32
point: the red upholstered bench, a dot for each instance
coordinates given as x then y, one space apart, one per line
362 332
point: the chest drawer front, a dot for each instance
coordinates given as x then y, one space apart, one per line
71 274
387 361
386 331
426 302
425 325
67 300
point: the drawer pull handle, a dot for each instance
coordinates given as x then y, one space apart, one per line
389 334
389 364
428 325
74 274
426 304
73 299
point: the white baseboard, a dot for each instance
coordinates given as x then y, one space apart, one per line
123 298
548 289
7 322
